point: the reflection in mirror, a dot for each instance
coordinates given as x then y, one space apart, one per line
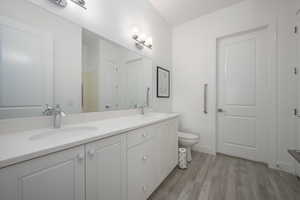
113 77
37 67
25 69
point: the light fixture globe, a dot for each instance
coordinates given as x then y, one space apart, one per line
81 3
149 42
60 3
142 38
135 33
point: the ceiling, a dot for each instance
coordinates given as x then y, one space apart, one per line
177 12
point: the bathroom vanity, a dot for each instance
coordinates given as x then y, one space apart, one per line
51 68
114 159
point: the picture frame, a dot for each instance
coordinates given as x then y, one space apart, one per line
162 82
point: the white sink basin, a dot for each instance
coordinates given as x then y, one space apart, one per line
151 115
70 131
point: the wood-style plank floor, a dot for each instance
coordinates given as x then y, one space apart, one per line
221 177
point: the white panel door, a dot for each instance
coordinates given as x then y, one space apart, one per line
106 169
297 165
59 176
243 90
26 70
108 86
108 76
135 83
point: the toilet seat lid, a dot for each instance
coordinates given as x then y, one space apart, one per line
187 136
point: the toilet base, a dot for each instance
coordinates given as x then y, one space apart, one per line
189 154
187 140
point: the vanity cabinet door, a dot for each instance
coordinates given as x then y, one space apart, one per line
106 169
136 173
168 140
142 170
164 150
58 176
173 143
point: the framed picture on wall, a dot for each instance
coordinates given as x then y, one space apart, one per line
163 82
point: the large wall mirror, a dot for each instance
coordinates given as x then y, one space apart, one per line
45 59
113 77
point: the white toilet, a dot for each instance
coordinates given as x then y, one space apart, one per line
187 140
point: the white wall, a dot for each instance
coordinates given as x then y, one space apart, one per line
194 64
114 19
67 49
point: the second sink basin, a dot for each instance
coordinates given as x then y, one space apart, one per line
71 131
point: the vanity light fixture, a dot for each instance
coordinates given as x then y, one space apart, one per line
141 40
60 3
149 42
81 3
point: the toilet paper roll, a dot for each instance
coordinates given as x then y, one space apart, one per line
182 162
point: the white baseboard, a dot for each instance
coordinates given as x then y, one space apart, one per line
297 169
286 167
203 149
283 166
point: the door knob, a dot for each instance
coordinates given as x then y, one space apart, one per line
220 110
145 135
91 152
80 157
145 157
144 188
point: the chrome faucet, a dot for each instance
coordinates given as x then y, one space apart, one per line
148 97
147 105
57 114
142 108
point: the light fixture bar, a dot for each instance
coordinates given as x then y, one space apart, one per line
141 40
140 43
80 3
60 3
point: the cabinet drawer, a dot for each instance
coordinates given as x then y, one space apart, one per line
139 136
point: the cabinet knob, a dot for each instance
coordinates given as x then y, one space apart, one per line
145 135
91 152
80 156
145 157
144 188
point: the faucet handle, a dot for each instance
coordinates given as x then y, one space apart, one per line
59 110
63 114
48 107
142 108
57 106
47 111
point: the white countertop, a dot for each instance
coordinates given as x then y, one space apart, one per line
22 146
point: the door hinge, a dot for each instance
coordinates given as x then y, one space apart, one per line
295 70
296 112
296 29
